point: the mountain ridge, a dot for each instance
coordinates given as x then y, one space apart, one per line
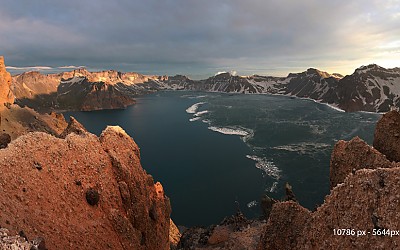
369 88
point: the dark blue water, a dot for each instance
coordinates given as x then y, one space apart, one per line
207 173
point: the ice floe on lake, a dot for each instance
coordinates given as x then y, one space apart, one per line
304 147
267 166
193 109
194 119
229 131
201 113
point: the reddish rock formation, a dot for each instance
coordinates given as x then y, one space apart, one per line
16 121
6 96
285 226
44 181
174 235
368 200
234 233
387 135
347 157
73 127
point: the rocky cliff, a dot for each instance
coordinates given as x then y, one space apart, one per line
78 89
361 210
6 96
16 121
82 192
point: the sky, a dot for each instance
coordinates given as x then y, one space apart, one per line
200 37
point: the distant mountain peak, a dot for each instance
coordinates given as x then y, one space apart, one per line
369 67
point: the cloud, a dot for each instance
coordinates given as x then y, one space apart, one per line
29 68
199 37
71 67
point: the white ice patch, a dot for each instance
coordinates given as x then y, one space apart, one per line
333 107
206 121
193 109
317 130
267 166
229 131
252 204
273 188
197 97
201 113
303 148
194 119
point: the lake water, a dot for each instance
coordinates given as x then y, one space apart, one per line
214 152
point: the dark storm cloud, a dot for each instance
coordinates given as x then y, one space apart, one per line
195 36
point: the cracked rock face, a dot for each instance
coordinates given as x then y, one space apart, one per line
348 157
387 135
127 210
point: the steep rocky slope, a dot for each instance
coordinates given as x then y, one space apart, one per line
370 88
387 135
364 200
82 192
78 89
16 121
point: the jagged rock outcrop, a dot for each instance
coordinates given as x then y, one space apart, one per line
6 96
368 200
174 235
387 135
234 233
73 127
348 157
45 183
285 226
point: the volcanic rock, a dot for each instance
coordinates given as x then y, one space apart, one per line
347 157
4 140
16 121
285 226
234 232
174 235
73 127
387 135
289 193
49 203
266 205
13 242
6 96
